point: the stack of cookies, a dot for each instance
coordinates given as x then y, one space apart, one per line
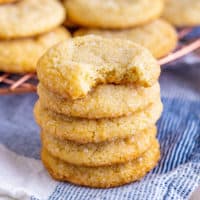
99 100
27 29
138 21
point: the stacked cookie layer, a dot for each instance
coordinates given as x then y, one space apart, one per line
99 102
27 29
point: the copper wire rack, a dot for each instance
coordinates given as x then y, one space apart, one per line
26 83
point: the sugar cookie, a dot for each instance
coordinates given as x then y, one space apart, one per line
182 12
157 36
94 131
73 68
30 17
102 177
100 154
21 55
106 101
112 13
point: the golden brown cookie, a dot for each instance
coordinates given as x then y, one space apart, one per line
157 36
21 55
105 101
7 1
100 154
73 68
69 24
30 17
112 14
94 131
182 12
102 177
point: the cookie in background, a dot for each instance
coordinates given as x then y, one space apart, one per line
182 13
27 29
29 18
21 55
158 36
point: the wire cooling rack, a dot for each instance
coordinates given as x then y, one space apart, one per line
16 84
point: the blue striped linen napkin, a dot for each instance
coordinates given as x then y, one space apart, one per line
22 176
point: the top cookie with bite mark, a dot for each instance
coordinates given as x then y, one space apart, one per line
73 68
